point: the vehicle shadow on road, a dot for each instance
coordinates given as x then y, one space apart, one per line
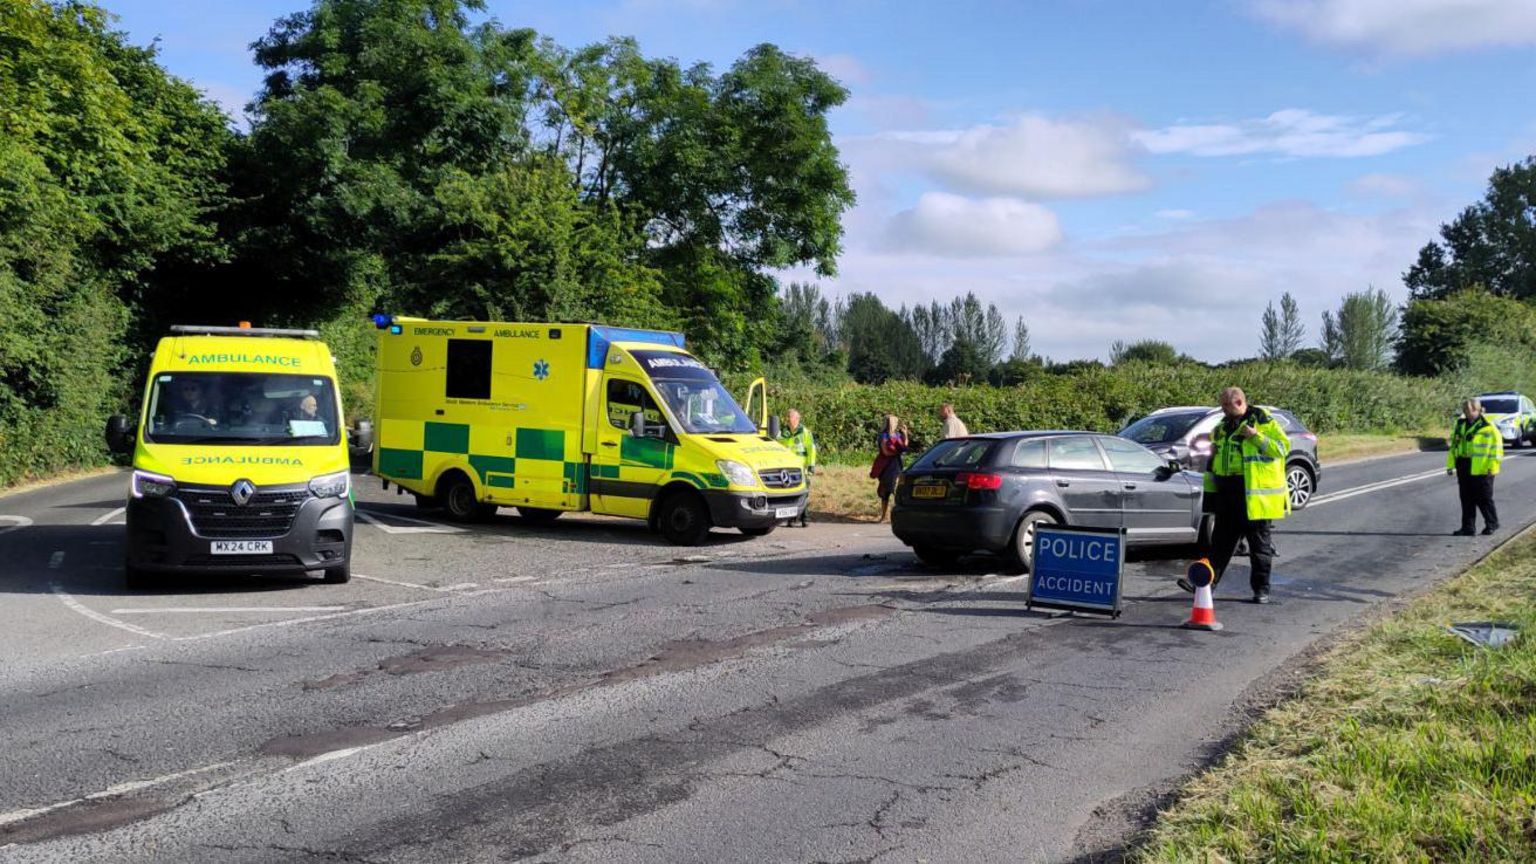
570 528
88 560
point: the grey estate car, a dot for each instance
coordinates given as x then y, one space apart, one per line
986 493
1184 435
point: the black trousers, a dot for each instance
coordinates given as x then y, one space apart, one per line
1233 524
1476 494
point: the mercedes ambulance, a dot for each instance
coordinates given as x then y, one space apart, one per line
239 457
551 418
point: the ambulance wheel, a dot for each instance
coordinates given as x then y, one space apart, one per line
425 502
1023 546
683 519
457 494
764 531
538 514
135 579
338 575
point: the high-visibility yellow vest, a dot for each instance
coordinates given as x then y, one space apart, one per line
801 443
1479 442
1259 460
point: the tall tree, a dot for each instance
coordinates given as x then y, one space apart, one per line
881 346
1491 243
994 342
1282 332
1361 335
1438 335
1020 340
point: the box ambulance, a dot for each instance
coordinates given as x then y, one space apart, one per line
239 457
550 418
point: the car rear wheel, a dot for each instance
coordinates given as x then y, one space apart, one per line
338 575
1024 538
934 556
1300 482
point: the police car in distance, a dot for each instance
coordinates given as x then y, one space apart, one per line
1184 435
1512 414
988 493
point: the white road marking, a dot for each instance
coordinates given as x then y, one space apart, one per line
219 609
15 522
108 620
56 560
332 616
102 520
462 586
329 757
109 792
426 527
512 579
384 581
1344 494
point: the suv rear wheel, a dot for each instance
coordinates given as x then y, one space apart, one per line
1024 538
1301 483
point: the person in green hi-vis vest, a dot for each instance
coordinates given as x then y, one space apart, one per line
801 443
1245 487
1476 451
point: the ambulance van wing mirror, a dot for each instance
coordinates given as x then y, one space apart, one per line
119 435
637 424
773 426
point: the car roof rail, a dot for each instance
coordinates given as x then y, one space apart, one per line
201 330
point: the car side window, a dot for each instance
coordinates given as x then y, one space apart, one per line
1130 457
1029 454
1075 454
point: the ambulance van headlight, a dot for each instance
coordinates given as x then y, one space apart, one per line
149 485
737 473
331 485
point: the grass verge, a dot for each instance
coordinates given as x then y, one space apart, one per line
844 492
1337 448
1408 745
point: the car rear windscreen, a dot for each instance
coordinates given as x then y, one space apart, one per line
1162 428
956 453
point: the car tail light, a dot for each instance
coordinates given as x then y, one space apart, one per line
979 481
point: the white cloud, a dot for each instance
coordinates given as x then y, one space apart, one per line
1386 186
1177 215
953 226
1292 132
846 68
1408 27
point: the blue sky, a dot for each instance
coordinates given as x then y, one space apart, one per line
1108 169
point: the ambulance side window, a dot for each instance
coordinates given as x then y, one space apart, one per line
627 397
469 369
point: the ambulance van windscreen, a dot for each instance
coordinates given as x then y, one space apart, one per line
241 408
695 396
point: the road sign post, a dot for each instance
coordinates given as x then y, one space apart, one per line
1077 569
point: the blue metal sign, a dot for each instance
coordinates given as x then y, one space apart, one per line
1077 569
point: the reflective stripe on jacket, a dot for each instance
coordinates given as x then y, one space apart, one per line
1259 460
801 443
1478 442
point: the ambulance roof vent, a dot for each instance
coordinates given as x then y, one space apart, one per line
200 330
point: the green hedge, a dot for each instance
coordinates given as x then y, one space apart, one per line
845 419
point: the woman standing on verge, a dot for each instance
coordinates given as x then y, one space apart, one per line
893 442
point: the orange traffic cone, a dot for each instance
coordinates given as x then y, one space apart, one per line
1203 615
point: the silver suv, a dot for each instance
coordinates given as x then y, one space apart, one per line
1184 435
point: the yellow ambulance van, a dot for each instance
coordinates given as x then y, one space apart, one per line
550 418
239 457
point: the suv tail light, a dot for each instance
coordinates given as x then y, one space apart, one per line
979 481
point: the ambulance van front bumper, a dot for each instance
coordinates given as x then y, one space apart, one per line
279 530
752 510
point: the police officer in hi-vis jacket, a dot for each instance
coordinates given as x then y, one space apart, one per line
1245 488
1476 451
802 443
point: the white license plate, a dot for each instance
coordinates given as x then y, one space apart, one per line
241 547
786 512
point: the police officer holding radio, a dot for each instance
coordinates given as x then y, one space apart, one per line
1476 451
1245 488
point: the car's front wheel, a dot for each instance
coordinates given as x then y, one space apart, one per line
1301 483
1023 548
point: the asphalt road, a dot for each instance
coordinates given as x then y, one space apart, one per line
584 692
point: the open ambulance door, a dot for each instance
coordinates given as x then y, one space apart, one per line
756 406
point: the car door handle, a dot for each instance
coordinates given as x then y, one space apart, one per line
1130 485
610 444
1063 483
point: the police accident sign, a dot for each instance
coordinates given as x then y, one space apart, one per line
1077 569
